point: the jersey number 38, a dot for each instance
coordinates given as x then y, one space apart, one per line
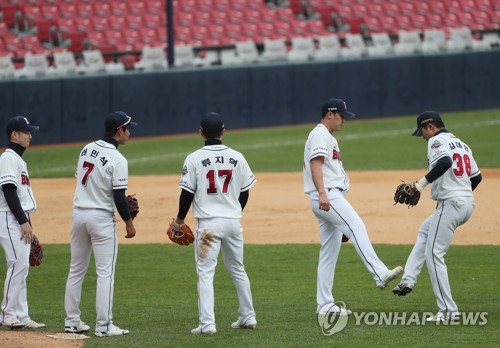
462 165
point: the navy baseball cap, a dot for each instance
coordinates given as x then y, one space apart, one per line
211 124
424 118
19 124
337 105
117 120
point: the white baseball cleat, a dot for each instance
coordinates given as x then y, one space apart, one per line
389 276
34 325
251 324
80 328
199 331
335 310
13 323
112 331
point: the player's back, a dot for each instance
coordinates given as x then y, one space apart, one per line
456 181
216 174
101 168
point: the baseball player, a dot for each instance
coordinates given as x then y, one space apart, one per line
216 180
326 183
454 174
16 203
101 181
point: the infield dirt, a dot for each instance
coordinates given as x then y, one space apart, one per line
278 211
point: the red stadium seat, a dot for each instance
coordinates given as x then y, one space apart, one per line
136 7
84 9
50 12
219 17
222 5
422 7
99 23
130 36
392 9
438 7
67 10
155 6
202 18
216 31
454 6
236 16
251 15
372 24
434 20
101 8
185 19
114 37
117 22
95 38
134 21
187 5
375 9
118 7
152 20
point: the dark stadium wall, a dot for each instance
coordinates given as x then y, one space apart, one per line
72 108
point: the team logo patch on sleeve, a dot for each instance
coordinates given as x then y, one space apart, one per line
436 144
184 170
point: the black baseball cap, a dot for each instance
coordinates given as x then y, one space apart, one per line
211 124
19 124
116 120
337 105
424 118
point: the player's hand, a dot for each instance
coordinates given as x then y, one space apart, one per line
26 232
324 202
130 229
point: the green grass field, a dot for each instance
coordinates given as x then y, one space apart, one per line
156 299
155 285
365 145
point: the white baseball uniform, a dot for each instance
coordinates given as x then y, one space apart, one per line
455 204
13 170
340 219
216 174
101 169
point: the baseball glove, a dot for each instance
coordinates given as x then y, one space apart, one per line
133 206
406 194
180 234
36 253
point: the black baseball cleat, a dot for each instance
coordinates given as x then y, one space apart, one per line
402 289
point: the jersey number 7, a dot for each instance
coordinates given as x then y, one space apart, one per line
88 167
227 174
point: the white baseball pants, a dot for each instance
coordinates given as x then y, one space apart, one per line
228 238
92 229
341 219
17 253
433 241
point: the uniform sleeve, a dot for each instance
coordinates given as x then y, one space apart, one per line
247 175
318 146
437 149
474 169
188 176
120 175
9 171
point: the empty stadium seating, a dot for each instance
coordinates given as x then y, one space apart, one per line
295 30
